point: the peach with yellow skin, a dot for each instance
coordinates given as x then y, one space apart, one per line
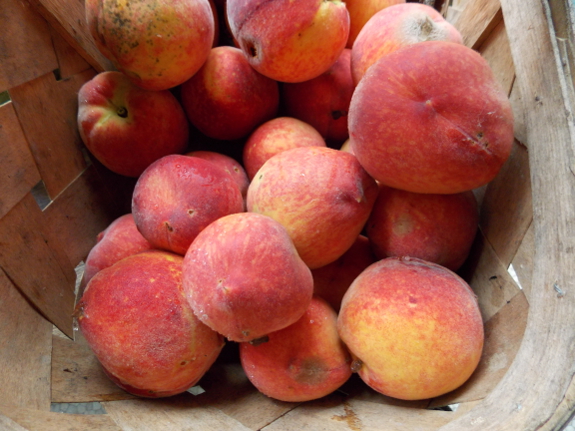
157 44
302 362
289 41
414 328
360 11
273 137
136 319
322 196
431 118
394 27
244 278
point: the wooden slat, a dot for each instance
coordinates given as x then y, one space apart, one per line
523 261
33 267
477 20
26 342
175 413
34 420
497 52
488 277
542 373
69 61
68 18
18 170
8 424
519 126
77 376
506 210
27 52
47 111
503 336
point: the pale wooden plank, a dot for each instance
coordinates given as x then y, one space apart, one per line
27 53
69 61
33 267
488 277
69 20
35 420
497 52
17 167
503 336
47 110
26 342
77 376
523 261
545 360
519 126
506 210
8 424
334 413
477 20
180 412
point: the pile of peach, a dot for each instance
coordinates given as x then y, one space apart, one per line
331 245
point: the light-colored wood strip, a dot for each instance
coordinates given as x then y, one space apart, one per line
546 359
8 424
18 170
27 52
47 110
33 267
519 127
497 52
477 20
69 20
503 336
35 420
523 261
77 376
506 210
180 412
488 277
26 342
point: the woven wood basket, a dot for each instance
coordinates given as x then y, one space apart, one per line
55 199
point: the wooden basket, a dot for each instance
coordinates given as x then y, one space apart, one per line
54 200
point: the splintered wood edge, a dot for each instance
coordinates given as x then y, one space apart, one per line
546 354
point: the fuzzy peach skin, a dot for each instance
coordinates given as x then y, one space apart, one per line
322 196
158 44
394 27
437 228
273 137
227 98
244 278
136 319
127 128
323 102
413 327
289 41
119 240
431 118
178 196
229 164
331 281
360 11
302 362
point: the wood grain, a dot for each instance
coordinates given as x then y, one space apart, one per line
523 261
26 342
477 21
69 61
28 52
496 50
18 170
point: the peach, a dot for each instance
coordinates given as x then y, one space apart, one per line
243 277
360 11
394 27
434 227
322 196
323 101
431 118
413 328
136 319
273 137
229 164
302 362
119 240
331 281
127 128
158 44
227 99
288 41
178 196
